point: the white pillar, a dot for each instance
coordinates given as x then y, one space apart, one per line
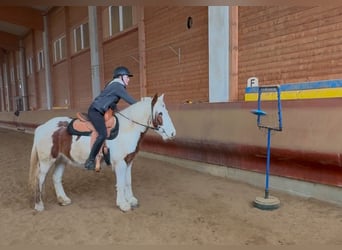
218 35
94 51
142 50
47 64
22 73
2 91
6 83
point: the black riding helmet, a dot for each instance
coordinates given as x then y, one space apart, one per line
121 71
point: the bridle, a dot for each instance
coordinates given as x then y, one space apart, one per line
156 120
154 127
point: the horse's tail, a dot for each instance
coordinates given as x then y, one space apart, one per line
34 167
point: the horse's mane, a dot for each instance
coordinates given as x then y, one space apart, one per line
143 100
138 110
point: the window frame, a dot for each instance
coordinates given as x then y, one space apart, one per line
121 20
40 60
59 52
29 66
84 41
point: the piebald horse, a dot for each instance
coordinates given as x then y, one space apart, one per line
53 147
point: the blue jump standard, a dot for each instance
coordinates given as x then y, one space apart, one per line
268 202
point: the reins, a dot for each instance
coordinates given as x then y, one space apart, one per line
144 125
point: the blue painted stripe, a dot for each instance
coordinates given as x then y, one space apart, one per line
303 86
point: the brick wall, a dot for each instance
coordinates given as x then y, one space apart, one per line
177 57
288 44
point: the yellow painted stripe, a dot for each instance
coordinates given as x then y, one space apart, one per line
297 94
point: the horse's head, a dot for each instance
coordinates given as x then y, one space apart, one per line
161 119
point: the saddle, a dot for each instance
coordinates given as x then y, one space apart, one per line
82 126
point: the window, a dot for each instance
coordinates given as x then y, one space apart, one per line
120 18
29 67
59 49
81 37
40 60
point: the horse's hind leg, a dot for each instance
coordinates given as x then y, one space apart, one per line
57 176
128 188
43 170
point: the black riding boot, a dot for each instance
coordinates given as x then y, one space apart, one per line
90 163
106 156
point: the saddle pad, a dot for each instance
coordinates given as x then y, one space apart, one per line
78 127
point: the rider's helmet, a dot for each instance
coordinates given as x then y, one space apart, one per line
121 71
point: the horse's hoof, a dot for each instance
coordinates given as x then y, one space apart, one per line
134 202
39 207
135 206
124 208
63 202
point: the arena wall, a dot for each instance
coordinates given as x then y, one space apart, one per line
226 134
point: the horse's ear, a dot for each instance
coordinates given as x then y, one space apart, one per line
154 99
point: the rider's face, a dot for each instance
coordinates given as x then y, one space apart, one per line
125 79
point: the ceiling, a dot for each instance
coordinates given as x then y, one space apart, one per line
16 22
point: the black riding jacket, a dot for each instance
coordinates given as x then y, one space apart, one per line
111 95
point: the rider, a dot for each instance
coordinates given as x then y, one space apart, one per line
108 98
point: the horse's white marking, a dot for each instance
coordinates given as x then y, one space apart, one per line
125 144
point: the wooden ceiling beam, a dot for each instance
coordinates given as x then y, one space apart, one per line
24 16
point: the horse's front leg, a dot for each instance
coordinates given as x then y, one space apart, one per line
57 176
128 189
120 171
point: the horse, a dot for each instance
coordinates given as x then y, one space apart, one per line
54 148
